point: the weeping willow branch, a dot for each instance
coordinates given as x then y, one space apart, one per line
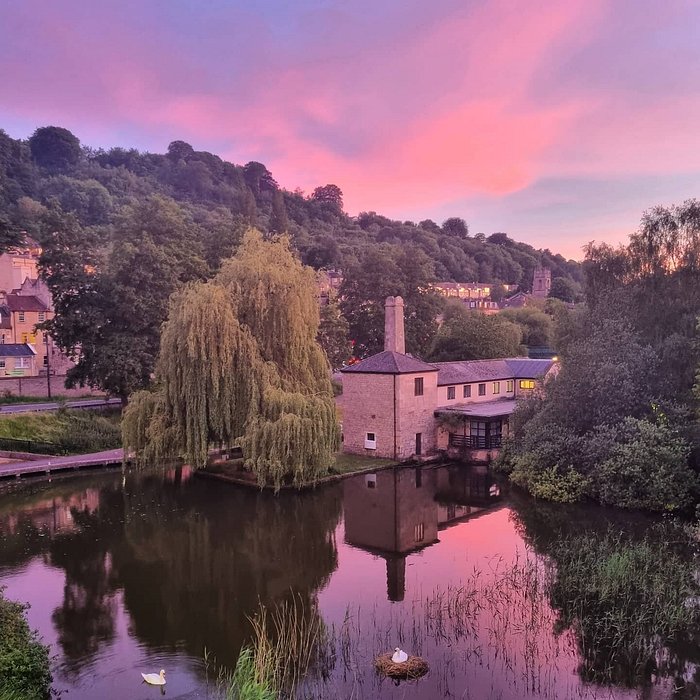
239 364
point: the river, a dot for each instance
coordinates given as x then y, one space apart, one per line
137 572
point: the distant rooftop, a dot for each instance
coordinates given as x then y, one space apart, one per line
480 409
16 302
16 350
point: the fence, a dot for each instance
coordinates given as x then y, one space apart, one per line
33 446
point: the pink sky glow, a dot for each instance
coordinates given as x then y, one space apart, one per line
558 121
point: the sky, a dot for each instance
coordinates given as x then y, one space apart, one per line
558 122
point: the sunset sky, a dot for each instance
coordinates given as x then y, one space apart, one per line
558 122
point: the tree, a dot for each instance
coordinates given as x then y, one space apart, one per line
329 194
536 325
563 289
110 304
54 147
259 178
279 222
455 226
472 335
180 150
333 335
10 235
239 364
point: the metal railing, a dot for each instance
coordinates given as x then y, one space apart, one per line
476 442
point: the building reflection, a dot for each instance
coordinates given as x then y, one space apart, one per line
397 512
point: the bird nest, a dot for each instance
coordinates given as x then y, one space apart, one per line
413 667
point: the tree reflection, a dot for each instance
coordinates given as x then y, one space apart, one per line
627 587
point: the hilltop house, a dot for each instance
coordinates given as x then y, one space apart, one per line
396 406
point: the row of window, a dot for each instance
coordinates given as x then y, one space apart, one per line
481 388
20 316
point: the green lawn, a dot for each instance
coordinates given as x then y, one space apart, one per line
346 464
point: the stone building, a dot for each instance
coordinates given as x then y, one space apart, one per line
398 407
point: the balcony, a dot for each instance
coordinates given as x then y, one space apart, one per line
476 442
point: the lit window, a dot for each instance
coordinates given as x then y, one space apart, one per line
20 316
510 385
418 386
527 383
482 389
25 337
450 393
497 387
467 391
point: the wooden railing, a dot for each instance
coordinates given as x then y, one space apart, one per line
476 442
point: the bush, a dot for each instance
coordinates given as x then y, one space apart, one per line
24 660
647 468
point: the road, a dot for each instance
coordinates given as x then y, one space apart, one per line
54 406
48 465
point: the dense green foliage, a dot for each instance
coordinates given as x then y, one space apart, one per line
74 432
618 423
24 660
239 364
123 230
472 335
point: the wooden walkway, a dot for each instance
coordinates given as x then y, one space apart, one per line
49 465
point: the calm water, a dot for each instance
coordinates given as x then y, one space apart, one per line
141 572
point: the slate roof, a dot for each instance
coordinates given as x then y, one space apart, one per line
22 303
390 362
480 409
470 371
16 350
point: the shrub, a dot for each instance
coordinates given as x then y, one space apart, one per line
24 660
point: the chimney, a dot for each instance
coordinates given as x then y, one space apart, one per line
394 338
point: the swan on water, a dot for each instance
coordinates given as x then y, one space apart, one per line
154 678
399 656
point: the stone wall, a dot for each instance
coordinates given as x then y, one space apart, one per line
37 386
416 414
368 407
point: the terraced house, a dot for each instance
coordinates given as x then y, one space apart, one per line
397 406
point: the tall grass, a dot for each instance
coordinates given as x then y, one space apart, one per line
245 683
627 602
287 640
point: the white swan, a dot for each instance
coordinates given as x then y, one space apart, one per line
399 656
154 678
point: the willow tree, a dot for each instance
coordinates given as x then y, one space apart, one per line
239 364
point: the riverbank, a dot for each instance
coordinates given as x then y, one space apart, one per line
345 466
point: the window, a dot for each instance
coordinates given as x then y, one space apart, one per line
22 363
450 393
20 316
477 428
2 364
419 532
42 316
418 386
46 360
419 444
370 441
419 477
527 383
25 337
510 385
482 389
497 387
467 391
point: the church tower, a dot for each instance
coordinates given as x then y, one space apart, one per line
541 282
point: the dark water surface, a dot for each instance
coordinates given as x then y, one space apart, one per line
131 573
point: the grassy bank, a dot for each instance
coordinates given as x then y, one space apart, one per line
73 432
9 399
344 465
24 660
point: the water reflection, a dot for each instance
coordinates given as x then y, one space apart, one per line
137 567
395 512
